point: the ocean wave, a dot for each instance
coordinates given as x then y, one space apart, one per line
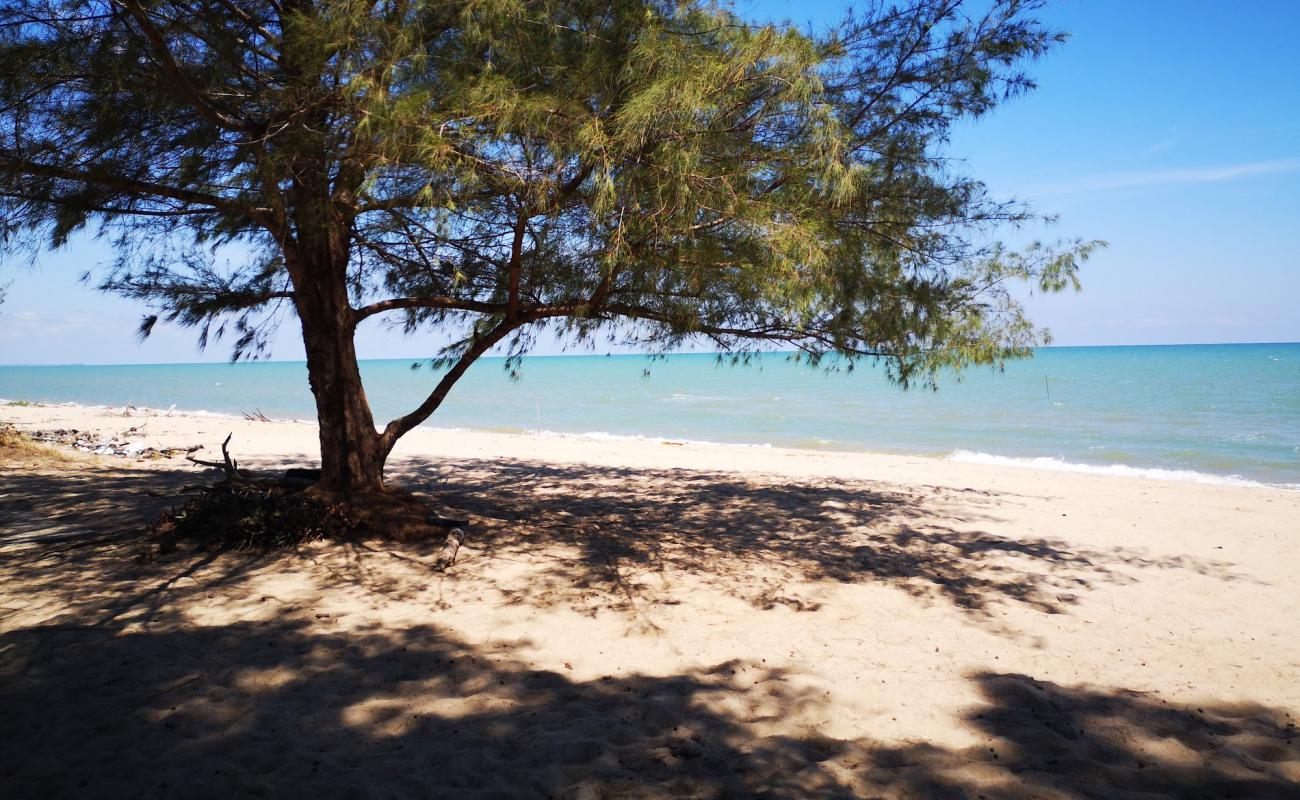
605 436
1114 470
678 397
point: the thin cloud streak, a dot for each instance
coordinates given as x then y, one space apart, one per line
1162 146
1130 180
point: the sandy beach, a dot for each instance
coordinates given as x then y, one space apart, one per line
648 619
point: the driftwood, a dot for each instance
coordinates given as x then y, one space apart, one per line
447 555
227 465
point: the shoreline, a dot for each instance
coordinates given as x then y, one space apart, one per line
1042 464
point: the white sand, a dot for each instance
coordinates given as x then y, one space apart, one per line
634 618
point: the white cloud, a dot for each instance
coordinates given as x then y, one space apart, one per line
1128 180
30 322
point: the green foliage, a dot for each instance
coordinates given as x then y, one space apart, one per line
651 170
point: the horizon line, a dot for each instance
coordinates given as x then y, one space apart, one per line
413 360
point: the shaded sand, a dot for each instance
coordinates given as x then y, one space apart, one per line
634 619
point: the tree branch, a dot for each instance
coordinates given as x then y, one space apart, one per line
516 262
435 303
172 70
398 427
119 183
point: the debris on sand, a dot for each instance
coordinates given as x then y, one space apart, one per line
257 515
119 445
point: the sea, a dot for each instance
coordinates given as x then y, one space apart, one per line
1223 413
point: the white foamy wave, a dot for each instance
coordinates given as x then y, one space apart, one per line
1114 470
605 436
678 397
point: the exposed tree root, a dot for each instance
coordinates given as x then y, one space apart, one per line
390 514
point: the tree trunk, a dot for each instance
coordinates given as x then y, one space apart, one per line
352 459
316 241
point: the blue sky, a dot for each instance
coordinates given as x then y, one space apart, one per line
1170 129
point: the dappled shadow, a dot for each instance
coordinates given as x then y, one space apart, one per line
265 708
90 517
753 535
608 537
86 518
48 501
244 708
128 678
1087 742
1046 740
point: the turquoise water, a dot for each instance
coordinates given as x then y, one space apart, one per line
1212 410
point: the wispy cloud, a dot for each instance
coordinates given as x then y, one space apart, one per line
1169 177
1160 147
27 322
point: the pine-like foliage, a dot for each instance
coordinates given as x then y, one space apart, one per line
649 169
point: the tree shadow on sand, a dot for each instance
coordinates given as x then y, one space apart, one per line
75 501
753 535
117 692
269 708
609 538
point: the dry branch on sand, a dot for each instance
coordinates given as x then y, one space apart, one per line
226 465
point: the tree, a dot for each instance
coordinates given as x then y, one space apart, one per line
658 170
